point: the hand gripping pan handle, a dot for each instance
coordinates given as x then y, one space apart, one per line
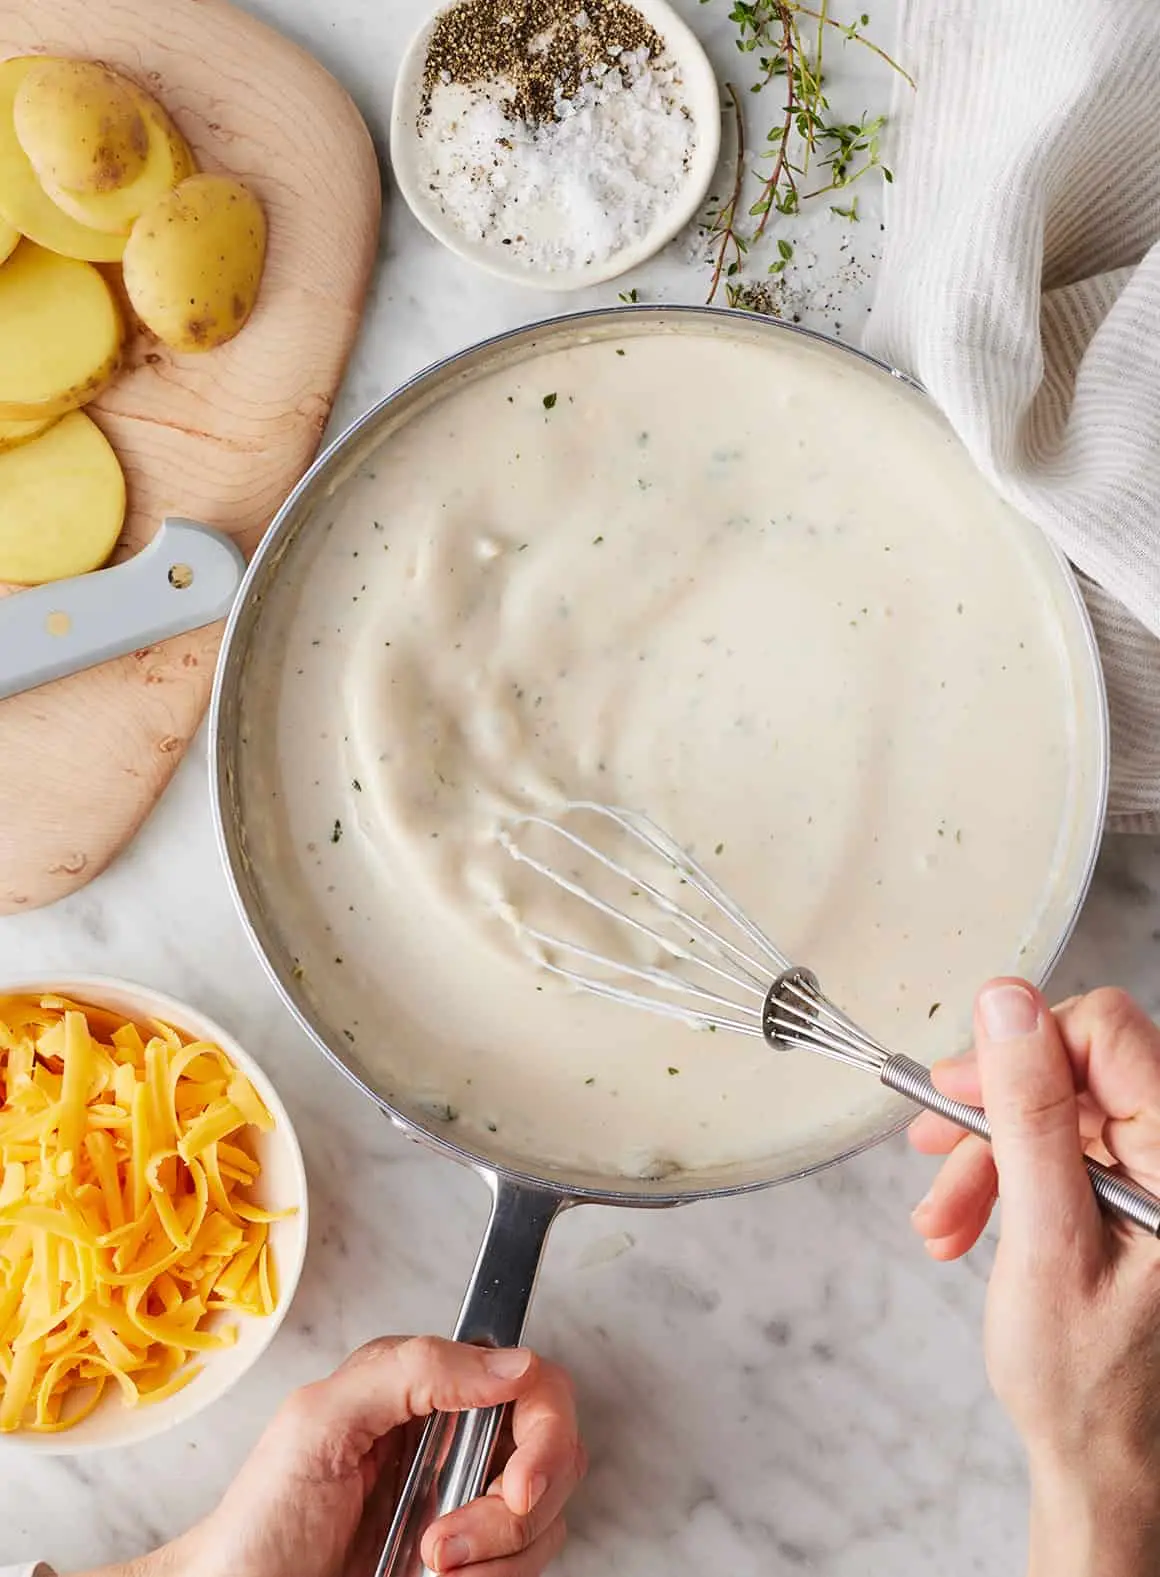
453 1463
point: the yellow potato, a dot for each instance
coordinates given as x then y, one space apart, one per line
24 204
9 238
80 125
60 334
169 161
62 503
13 433
193 262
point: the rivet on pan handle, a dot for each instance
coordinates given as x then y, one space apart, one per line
185 578
453 1462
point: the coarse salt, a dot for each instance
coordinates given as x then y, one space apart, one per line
568 192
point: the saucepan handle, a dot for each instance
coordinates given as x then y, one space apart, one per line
453 1462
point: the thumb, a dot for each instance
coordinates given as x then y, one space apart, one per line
389 1382
1029 1094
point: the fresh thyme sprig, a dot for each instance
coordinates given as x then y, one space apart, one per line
805 138
726 243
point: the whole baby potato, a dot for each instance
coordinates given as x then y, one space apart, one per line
193 262
80 125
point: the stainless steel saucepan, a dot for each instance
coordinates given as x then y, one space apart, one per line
249 754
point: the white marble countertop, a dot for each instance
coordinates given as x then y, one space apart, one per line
780 1384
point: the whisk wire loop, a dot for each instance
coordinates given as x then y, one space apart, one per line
750 1025
793 1011
720 955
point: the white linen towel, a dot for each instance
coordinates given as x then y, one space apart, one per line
1021 286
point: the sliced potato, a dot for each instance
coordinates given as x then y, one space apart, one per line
168 162
24 203
9 237
80 125
60 334
62 503
193 262
13 433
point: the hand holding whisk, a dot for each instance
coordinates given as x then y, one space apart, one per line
717 969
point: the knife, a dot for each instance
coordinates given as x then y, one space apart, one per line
186 577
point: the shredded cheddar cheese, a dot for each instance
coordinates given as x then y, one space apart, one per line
126 1226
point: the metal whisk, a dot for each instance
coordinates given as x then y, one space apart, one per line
723 972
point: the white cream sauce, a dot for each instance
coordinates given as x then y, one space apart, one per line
754 590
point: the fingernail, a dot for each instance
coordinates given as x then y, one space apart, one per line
923 1206
508 1363
1008 1012
451 1552
537 1489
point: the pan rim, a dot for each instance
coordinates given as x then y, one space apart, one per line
226 682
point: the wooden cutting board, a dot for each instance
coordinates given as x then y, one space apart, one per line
220 437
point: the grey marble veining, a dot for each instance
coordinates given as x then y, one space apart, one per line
775 1385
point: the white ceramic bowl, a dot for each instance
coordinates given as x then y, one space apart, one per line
700 85
282 1184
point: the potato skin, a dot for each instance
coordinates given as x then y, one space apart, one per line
169 161
13 433
60 334
80 125
193 262
62 503
24 204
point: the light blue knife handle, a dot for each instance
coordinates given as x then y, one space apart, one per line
186 577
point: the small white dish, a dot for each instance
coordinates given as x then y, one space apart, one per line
282 1184
700 86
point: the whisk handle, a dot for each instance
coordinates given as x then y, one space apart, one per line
1115 1194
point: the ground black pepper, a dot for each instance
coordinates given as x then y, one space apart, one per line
546 49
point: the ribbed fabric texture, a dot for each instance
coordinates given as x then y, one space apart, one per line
1021 286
